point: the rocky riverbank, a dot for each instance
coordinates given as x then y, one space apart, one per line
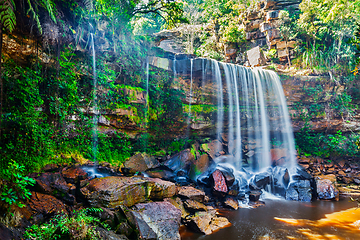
150 198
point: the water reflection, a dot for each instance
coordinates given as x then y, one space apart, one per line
263 222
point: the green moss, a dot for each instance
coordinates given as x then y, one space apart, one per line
205 147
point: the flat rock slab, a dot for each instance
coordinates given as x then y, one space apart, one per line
206 222
113 191
157 220
192 193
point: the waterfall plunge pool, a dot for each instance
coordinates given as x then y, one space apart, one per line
272 221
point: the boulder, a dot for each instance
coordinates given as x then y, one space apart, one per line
140 163
179 205
206 222
325 188
74 175
299 190
51 167
227 173
160 173
219 183
254 196
180 161
200 166
231 203
109 235
187 192
111 192
55 184
300 174
255 24
262 179
156 220
44 206
212 149
194 206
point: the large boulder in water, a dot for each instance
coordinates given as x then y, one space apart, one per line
206 222
140 163
156 220
260 180
299 190
325 187
111 192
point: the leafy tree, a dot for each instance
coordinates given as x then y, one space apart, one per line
287 29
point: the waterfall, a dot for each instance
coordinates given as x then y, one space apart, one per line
95 107
251 116
190 93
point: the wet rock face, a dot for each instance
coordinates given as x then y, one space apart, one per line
114 191
157 220
325 187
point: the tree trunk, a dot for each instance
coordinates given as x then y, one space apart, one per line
288 53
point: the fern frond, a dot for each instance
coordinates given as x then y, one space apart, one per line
7 15
35 16
47 4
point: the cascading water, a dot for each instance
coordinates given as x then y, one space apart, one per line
95 107
251 121
190 93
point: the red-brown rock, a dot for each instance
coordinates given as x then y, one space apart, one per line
74 174
45 204
220 186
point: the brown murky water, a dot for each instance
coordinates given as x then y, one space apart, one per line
281 219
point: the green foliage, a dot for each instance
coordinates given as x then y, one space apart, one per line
324 27
81 225
7 15
14 188
36 6
327 145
